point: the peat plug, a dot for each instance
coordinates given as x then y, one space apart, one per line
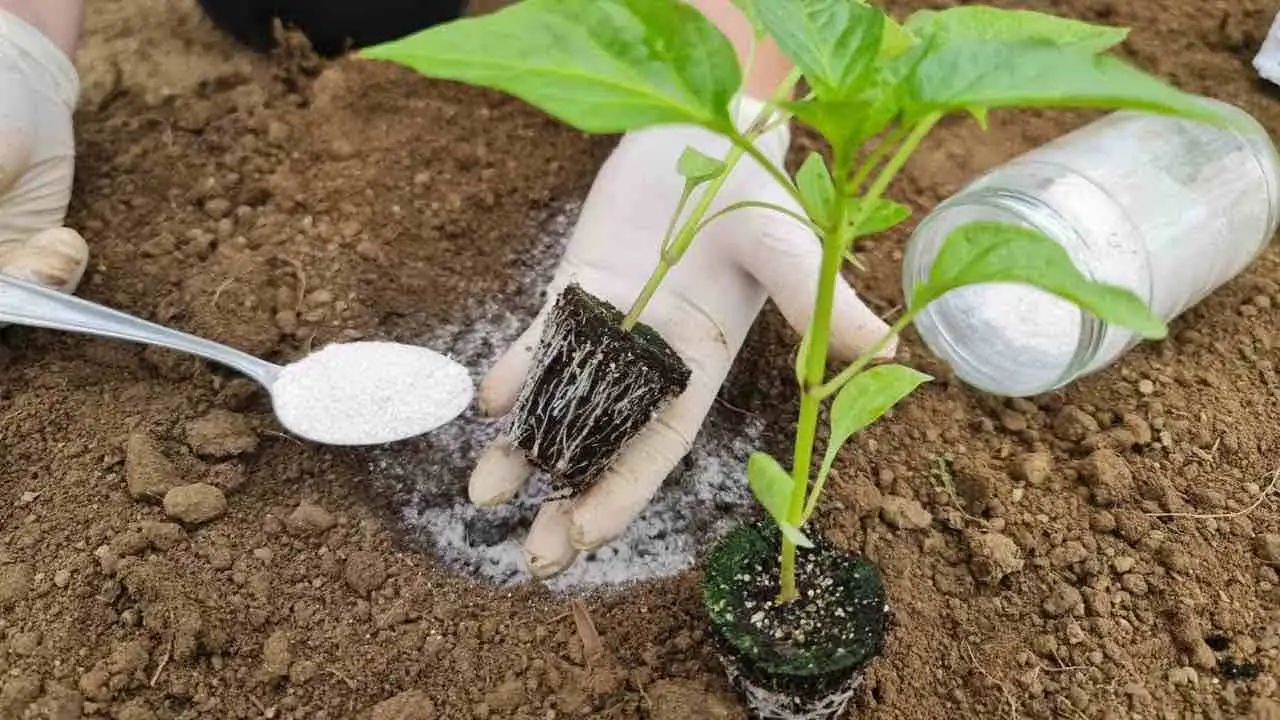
591 387
801 660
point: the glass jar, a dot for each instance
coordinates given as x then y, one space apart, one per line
1168 208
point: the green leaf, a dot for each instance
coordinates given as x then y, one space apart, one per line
834 42
772 486
970 74
862 401
988 24
602 66
802 357
990 252
697 167
897 40
846 124
884 214
817 190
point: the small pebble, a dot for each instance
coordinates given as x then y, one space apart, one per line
1267 547
196 503
904 513
1183 676
1146 387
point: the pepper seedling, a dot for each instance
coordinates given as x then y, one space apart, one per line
875 89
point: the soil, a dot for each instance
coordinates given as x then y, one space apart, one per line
1108 551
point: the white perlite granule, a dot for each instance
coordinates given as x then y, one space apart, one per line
370 393
703 499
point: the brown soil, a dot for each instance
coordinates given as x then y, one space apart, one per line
278 204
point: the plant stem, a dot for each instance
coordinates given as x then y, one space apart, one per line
833 386
895 164
810 404
874 158
674 249
764 206
745 143
833 250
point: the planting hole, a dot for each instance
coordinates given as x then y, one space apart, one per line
703 499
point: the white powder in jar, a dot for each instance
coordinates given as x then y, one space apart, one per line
370 393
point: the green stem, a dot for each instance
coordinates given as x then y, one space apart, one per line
875 157
819 332
675 217
833 386
815 365
674 249
746 144
891 169
764 206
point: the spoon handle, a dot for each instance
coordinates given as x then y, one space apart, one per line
26 303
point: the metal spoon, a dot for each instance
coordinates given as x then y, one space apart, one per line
26 303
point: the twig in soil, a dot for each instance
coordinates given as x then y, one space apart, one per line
552 621
1004 689
346 680
281 435
258 704
592 646
164 660
1270 488
217 293
735 408
302 278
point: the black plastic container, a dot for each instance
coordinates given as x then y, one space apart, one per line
803 660
591 388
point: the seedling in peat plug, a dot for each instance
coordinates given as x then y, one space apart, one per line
796 620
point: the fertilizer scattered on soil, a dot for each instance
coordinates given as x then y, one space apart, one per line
704 498
369 393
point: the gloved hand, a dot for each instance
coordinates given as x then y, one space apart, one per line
38 90
704 310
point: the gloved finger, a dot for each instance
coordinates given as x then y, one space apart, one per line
786 259
605 511
16 147
55 258
498 474
501 385
547 551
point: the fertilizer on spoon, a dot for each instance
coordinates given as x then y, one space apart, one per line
369 393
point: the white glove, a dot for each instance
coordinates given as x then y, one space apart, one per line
38 90
704 310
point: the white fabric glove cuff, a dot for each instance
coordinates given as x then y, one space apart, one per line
46 62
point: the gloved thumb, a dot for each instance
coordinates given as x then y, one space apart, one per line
786 258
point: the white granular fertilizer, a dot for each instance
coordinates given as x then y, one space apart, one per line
370 393
703 499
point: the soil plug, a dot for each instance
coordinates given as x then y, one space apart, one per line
591 388
803 659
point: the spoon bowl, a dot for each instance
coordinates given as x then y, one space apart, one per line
363 393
